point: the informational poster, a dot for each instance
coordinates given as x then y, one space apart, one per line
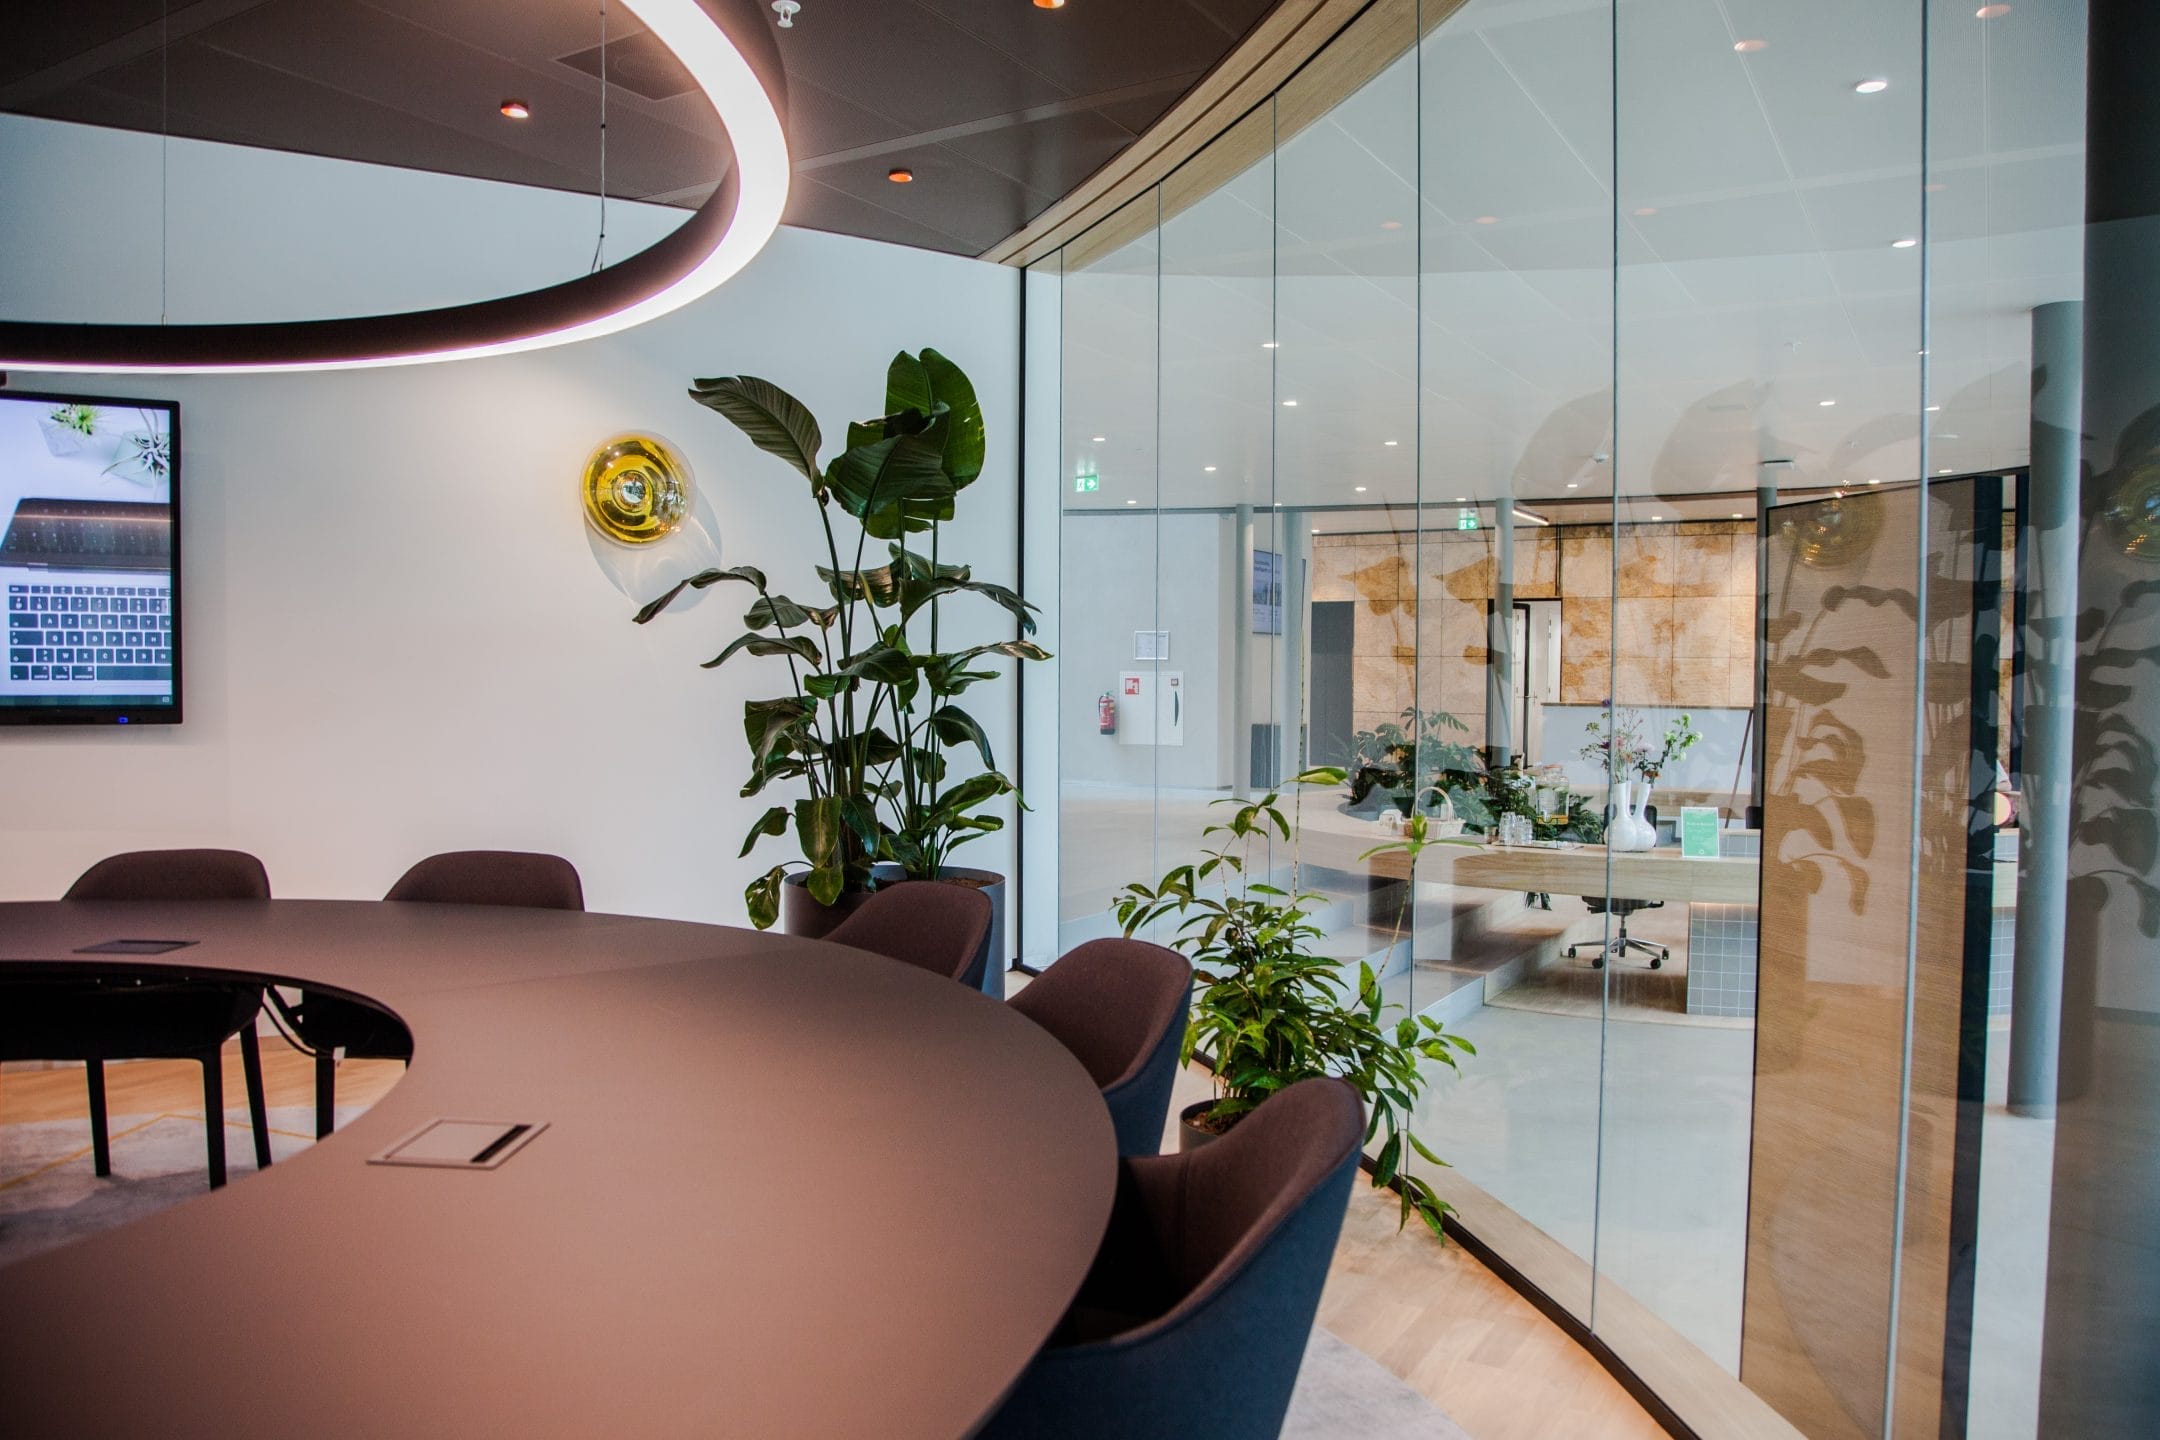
1267 592
1150 644
1151 707
1699 832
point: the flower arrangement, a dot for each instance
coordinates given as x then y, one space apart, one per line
1617 747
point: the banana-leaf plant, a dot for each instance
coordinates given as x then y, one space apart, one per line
1270 1012
870 714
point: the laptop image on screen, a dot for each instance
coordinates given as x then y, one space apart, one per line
89 599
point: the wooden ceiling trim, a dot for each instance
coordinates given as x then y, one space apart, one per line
1334 49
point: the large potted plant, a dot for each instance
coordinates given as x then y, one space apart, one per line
1271 1013
869 725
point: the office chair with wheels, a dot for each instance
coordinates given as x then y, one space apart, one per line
1619 908
932 924
325 1024
1119 1006
149 1013
1195 1316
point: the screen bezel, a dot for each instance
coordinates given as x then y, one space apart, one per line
105 713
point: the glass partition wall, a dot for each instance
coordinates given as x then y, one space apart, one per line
1655 420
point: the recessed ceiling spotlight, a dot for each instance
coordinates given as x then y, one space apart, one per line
1871 87
1049 4
1934 186
1316 532
900 175
1946 470
1387 442
1905 244
1646 210
1751 47
1990 12
1488 219
1933 408
1359 488
1132 502
516 109
1462 499
1573 483
1873 481
1738 516
1384 225
1096 439
1268 344
1291 403
1657 517
1826 403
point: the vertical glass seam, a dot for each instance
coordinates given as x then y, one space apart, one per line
1922 543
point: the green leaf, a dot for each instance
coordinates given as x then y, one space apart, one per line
965 443
826 882
873 483
907 385
880 663
775 421
798 645
762 895
772 822
954 726
772 724
825 687
817 825
768 611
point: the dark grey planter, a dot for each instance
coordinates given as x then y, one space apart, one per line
1189 1135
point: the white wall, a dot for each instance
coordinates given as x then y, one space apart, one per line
400 638
252 234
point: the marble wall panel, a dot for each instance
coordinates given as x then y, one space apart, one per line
1642 679
1702 563
1537 566
1331 567
1380 684
1643 626
1585 563
1647 568
1702 628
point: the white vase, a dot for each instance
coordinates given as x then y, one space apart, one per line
1628 829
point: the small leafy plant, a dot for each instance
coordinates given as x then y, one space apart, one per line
1413 769
1270 1013
82 419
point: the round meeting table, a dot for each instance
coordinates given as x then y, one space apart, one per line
783 1188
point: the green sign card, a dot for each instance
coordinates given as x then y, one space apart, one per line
1698 832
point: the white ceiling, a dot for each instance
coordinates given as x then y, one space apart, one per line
1761 282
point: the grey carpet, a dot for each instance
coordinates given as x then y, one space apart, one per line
1344 1394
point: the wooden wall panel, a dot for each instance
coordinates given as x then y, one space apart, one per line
1838 867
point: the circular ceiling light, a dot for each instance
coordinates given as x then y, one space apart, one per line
1871 87
900 175
515 110
1826 404
1387 442
1096 439
1488 219
1751 47
1646 210
710 39
1210 469
1990 12
1391 224
1905 244
1359 488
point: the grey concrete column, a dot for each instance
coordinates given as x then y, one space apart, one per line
1500 668
1241 655
1297 620
2049 641
2098 1379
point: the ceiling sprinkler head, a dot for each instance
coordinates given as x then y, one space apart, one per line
786 10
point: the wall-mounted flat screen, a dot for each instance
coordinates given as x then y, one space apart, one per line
90 559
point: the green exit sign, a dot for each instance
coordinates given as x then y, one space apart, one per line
1086 484
1466 519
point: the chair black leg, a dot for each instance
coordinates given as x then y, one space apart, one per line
100 1142
213 1091
325 1093
258 1113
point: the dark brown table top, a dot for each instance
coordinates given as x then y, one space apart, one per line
786 1189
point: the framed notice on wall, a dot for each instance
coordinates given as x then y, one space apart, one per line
1150 644
1267 592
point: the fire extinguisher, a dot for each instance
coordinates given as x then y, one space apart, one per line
1106 715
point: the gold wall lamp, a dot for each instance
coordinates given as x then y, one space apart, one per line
637 489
